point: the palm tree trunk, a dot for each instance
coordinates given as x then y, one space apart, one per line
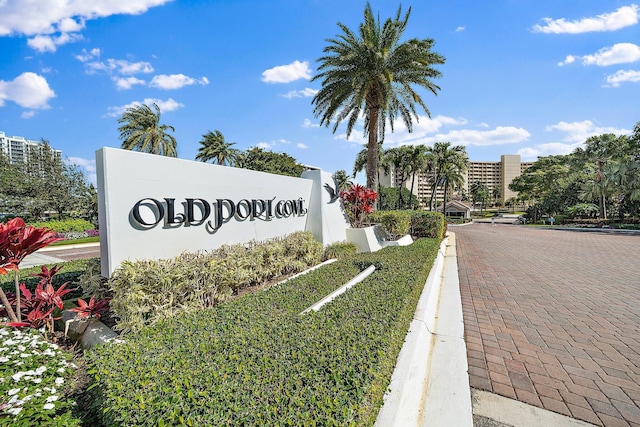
372 150
413 178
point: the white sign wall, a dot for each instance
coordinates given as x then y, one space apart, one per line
155 207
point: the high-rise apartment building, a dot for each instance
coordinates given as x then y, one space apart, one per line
492 174
18 149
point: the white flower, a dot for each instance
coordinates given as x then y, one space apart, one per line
41 370
14 411
52 399
13 391
59 381
48 406
4 359
16 377
37 380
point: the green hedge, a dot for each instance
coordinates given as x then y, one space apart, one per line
147 291
340 250
428 224
395 223
71 271
256 361
64 226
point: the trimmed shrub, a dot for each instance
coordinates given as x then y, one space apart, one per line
65 226
395 223
256 361
340 250
428 224
145 292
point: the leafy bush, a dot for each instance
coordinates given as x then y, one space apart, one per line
145 292
65 226
427 224
395 223
256 361
340 250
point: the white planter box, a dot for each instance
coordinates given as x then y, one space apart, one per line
367 239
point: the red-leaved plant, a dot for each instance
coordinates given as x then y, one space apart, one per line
38 307
92 308
17 240
359 201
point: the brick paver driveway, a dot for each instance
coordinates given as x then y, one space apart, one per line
552 318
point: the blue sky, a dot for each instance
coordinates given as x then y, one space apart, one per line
528 77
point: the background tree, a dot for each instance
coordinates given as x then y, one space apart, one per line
143 132
371 73
446 157
397 160
479 194
389 197
452 178
342 180
419 160
215 148
258 159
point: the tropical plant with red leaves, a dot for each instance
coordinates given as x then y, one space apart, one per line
38 306
92 308
359 202
17 240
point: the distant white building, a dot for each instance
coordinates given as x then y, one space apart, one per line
18 149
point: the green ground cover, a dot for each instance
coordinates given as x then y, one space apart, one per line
255 361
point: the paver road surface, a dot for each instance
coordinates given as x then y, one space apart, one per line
552 318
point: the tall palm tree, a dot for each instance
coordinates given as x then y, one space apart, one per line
419 160
452 178
399 159
215 148
371 73
143 132
443 156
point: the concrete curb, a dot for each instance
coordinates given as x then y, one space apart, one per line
430 385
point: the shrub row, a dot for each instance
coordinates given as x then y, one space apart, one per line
416 223
65 225
256 361
147 291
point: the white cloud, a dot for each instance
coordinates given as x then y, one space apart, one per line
46 43
498 136
356 136
308 124
61 20
28 90
127 82
119 66
88 55
549 149
623 17
175 81
301 146
459 29
165 106
27 114
620 53
622 76
287 73
304 93
264 145
578 132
